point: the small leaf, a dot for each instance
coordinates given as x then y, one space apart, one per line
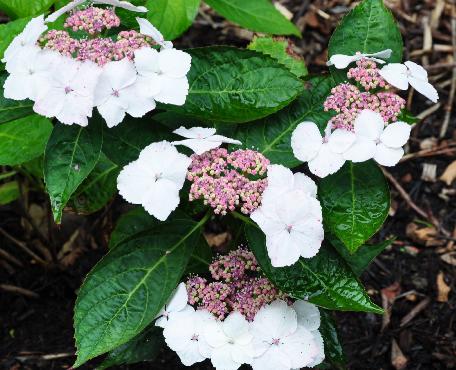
9 192
25 8
272 135
333 349
355 202
234 85
256 15
128 287
324 280
12 109
71 154
23 139
281 50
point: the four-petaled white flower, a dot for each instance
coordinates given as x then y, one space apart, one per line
291 220
374 140
341 61
177 303
323 154
279 342
69 97
401 75
231 341
202 139
148 29
184 334
155 179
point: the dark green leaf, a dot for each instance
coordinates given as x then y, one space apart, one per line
128 287
281 50
234 85
23 139
71 154
324 279
143 347
333 349
9 192
407 116
25 8
272 135
355 202
256 15
12 109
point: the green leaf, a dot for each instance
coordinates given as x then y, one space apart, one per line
12 109
128 287
144 347
233 85
281 50
123 143
324 280
355 202
71 154
272 135
256 15
25 8
8 32
333 348
23 139
97 189
368 28
172 17
407 116
9 192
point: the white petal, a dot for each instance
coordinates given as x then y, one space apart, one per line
180 330
195 132
305 184
198 146
417 71
384 54
224 139
362 150
138 106
280 180
119 74
300 347
274 321
173 90
133 182
112 112
388 156
122 4
326 162
396 75
17 87
148 29
306 141
282 249
214 335
190 355
222 360
341 61
174 63
369 125
161 199
146 61
148 86
308 315
235 325
320 356
50 104
425 88
396 134
273 359
340 140
179 299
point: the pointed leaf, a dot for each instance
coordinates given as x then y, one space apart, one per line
333 348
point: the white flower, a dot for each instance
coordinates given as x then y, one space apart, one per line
279 342
231 341
401 75
201 139
155 179
148 29
29 36
373 140
30 74
177 303
117 93
341 61
292 223
324 154
184 334
70 96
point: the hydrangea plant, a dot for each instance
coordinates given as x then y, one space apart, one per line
111 104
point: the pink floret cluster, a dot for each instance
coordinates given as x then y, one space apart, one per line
366 73
60 41
237 285
222 180
92 20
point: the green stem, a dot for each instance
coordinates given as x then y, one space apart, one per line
243 218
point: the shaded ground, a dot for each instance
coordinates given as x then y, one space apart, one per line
416 276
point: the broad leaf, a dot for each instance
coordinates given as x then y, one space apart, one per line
71 154
23 139
355 202
281 50
272 135
233 85
12 109
9 192
143 347
8 32
128 287
172 17
97 189
25 8
334 352
368 28
324 280
256 15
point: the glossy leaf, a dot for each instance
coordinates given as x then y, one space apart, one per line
324 280
9 192
97 189
71 154
144 347
256 15
128 287
272 135
12 109
355 202
333 348
23 139
25 8
233 85
281 50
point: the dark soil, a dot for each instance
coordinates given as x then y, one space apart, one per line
422 321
